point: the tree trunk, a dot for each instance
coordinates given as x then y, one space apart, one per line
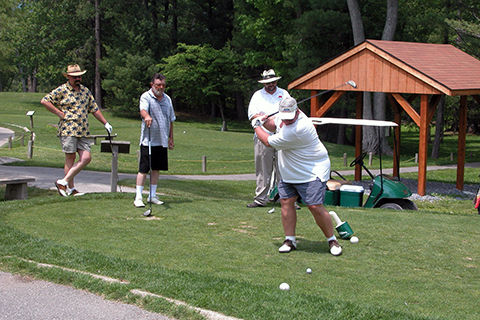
239 105
369 139
356 20
32 81
98 56
439 125
379 97
221 106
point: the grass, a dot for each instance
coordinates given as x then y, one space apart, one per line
206 248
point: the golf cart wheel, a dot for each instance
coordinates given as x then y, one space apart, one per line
407 204
391 205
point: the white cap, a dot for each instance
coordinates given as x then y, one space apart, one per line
287 108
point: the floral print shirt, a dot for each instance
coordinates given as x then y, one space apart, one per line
76 105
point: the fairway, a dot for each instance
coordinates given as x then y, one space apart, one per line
204 247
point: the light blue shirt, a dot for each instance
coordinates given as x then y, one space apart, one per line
162 115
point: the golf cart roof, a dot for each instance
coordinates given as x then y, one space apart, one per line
355 122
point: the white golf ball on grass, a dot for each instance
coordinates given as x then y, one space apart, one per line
354 239
284 286
309 270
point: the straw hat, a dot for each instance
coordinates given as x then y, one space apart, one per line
268 76
74 70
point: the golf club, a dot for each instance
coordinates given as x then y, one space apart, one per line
349 82
148 213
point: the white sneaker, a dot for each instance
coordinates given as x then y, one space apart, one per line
74 192
138 203
155 200
335 248
287 246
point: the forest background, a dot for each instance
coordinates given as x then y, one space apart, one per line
213 52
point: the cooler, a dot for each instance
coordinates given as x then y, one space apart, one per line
351 196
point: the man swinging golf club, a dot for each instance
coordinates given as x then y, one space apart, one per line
157 114
304 168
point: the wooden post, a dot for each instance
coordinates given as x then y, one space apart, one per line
114 176
462 134
416 157
204 163
358 135
344 159
370 157
30 149
423 146
10 142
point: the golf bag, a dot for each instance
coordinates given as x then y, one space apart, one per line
476 200
273 195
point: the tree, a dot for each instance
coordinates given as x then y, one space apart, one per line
371 139
203 78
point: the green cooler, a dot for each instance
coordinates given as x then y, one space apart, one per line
351 196
332 198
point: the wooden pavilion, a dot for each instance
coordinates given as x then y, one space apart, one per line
397 69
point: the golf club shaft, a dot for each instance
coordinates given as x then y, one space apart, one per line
150 164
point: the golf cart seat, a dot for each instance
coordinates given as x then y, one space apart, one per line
335 184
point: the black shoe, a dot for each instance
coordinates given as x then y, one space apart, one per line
254 205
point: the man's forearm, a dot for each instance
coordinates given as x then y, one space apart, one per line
50 107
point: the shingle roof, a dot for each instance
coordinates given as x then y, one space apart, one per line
443 63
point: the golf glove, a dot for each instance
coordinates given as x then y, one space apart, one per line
108 127
257 122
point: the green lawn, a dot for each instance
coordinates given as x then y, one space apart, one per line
206 248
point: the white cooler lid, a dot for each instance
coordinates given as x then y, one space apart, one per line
351 188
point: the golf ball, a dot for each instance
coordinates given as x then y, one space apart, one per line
354 239
284 286
309 270
184 131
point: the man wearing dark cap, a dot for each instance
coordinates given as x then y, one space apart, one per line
263 102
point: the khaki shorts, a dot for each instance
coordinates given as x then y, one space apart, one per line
73 144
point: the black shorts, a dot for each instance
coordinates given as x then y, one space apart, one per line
159 159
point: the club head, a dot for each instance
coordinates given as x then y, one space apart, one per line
352 83
147 213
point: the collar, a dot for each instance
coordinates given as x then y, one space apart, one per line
69 87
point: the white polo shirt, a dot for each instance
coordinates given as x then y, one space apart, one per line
263 102
302 157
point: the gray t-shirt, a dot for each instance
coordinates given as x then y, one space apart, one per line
162 114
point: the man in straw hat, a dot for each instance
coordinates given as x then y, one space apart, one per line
304 167
72 102
263 102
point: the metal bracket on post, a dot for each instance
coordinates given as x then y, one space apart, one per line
114 147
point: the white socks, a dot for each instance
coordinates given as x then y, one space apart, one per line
332 238
293 239
153 188
138 192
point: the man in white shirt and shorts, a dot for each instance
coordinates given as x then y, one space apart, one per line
304 168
